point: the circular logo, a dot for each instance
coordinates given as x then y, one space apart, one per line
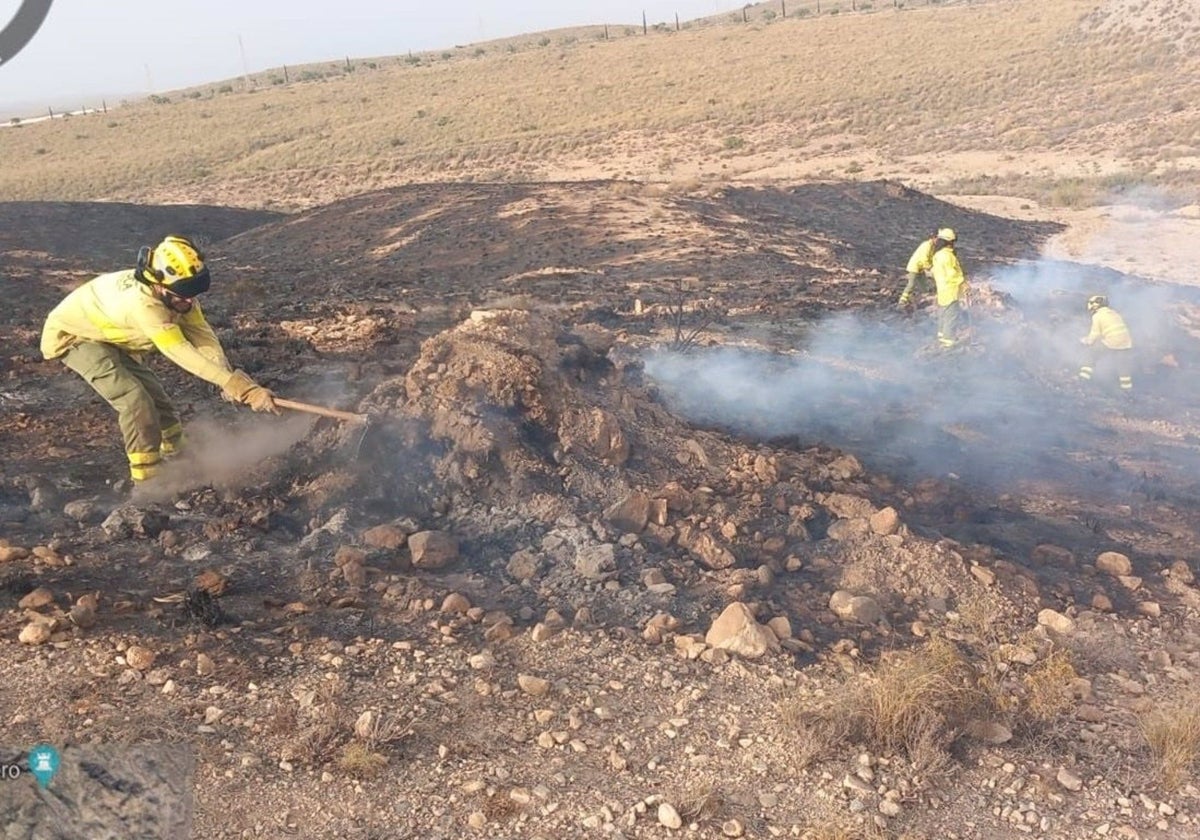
23 27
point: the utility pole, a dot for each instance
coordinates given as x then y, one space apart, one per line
245 68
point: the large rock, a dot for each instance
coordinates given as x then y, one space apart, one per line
433 549
885 522
737 631
1115 564
630 514
705 547
596 562
127 521
847 605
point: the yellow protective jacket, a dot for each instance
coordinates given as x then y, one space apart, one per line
1109 328
948 275
922 258
117 309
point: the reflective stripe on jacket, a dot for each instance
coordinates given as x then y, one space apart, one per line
922 258
117 309
948 274
1109 328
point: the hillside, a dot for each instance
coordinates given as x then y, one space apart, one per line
799 96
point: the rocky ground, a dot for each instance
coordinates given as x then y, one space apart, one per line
665 523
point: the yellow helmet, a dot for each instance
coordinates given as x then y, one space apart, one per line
177 264
947 235
1097 302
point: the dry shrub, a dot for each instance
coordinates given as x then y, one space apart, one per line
928 692
1049 687
1172 732
916 703
360 762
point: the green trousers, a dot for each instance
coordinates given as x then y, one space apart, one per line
148 420
916 284
949 320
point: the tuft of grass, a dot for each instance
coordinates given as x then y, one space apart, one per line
1172 732
360 762
1049 687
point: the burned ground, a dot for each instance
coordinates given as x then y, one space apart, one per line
617 410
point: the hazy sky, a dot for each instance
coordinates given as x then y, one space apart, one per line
92 48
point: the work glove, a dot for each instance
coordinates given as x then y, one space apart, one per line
245 390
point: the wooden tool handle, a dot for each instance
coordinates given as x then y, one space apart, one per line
320 409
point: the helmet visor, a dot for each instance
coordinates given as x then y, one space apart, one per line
197 284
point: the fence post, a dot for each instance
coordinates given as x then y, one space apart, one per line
744 14
606 32
347 62
644 30
783 8
677 21
104 105
51 110
285 74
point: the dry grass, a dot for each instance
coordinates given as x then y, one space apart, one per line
1172 732
358 761
506 112
915 703
1049 688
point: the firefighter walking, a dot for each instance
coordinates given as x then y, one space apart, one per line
1109 339
102 330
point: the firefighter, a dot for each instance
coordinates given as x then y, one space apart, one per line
1109 337
103 329
919 265
951 287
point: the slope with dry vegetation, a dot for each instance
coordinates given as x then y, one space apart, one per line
1020 81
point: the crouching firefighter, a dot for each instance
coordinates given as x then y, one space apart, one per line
1109 337
102 330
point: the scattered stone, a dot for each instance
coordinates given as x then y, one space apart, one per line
989 731
482 661
211 581
83 510
596 562
1102 603
861 608
630 514
1114 563
668 817
533 686
9 553
456 603
205 667
388 536
984 575
781 627
127 521
1050 554
885 522
139 658
737 631
1069 780
733 828
1056 621
433 549
35 633
524 565
704 547
36 599
1151 609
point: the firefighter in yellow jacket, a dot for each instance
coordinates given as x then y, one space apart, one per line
951 287
102 329
917 272
1109 337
